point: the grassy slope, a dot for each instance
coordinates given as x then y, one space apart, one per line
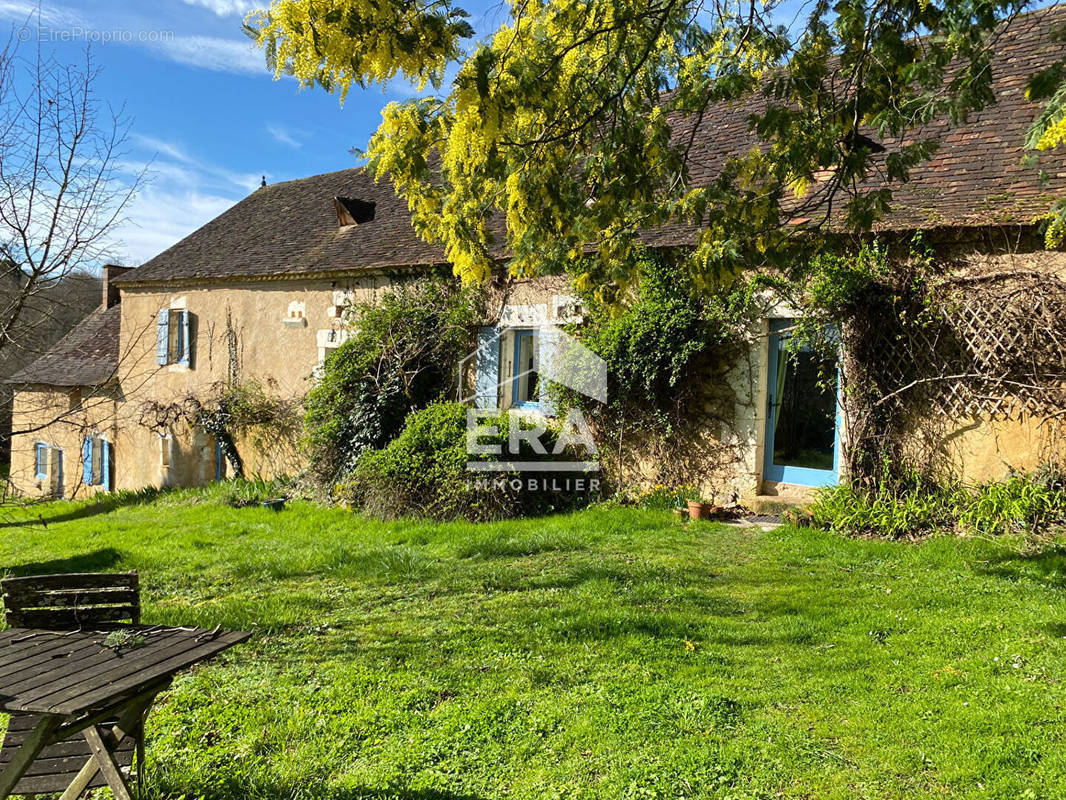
607 654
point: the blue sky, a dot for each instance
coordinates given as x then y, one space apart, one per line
206 114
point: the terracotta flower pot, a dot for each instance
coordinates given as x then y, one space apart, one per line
698 510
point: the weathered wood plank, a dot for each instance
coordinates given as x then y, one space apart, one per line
14 652
46 658
67 618
71 600
131 721
53 784
72 763
78 722
108 766
61 662
33 745
90 680
71 597
66 704
98 669
68 747
72 580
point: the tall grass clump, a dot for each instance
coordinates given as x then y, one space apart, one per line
1024 503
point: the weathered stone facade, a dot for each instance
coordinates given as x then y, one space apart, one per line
60 419
276 332
273 333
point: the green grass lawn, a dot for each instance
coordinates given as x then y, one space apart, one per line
606 654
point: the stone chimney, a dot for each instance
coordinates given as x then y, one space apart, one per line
112 271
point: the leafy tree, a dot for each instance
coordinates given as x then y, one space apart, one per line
571 124
1049 129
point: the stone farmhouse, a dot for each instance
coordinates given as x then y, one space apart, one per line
259 293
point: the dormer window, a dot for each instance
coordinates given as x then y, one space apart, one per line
352 212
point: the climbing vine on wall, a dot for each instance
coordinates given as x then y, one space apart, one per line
228 412
402 354
665 343
922 344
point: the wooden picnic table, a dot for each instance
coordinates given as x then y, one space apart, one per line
68 682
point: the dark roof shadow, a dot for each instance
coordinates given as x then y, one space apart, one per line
95 561
90 508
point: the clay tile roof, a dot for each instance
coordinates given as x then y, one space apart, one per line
87 356
976 178
292 228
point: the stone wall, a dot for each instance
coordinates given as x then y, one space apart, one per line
981 447
59 418
273 333
276 332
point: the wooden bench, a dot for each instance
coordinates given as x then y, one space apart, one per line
71 602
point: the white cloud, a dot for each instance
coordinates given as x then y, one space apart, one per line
212 52
184 167
180 193
227 8
284 136
215 53
156 218
26 11
162 147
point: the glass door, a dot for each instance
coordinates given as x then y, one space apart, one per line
803 415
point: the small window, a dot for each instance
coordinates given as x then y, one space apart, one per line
165 443
175 343
172 337
351 211
40 460
97 462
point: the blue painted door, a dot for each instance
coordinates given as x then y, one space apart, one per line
803 417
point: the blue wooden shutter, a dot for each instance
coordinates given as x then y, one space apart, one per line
40 460
105 464
184 339
162 336
87 460
487 378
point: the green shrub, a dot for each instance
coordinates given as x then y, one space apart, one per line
653 338
1023 503
1020 504
422 473
403 354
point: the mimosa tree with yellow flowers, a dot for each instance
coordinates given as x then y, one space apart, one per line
561 125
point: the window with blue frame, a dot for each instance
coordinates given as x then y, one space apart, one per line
40 460
96 462
173 345
524 369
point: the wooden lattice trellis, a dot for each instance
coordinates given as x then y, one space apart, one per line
988 347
